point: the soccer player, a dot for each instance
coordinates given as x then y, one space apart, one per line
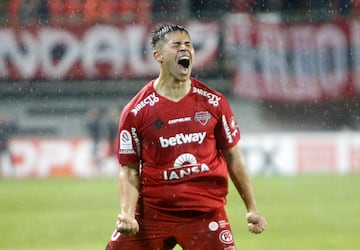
177 145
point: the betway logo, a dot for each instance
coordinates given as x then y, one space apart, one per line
181 138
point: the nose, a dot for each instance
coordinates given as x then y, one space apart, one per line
182 47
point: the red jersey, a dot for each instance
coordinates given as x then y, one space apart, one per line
178 145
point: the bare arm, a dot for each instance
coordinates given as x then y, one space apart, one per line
128 190
242 181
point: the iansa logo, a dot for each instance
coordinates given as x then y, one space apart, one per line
185 165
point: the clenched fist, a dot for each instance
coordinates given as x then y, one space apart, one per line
127 226
256 222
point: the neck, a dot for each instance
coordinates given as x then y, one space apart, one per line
172 88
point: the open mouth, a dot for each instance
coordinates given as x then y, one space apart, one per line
185 62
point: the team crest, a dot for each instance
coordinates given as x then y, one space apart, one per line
202 117
226 237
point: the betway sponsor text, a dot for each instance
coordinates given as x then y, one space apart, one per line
181 138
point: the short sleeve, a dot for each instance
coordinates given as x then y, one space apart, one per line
128 139
227 132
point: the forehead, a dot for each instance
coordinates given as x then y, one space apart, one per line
177 36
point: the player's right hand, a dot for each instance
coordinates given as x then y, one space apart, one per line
127 226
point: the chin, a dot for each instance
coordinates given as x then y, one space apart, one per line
183 78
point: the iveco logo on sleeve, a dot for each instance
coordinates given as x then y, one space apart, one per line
126 146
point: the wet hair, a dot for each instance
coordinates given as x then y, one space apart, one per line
160 32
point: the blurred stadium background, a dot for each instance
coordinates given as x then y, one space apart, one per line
291 70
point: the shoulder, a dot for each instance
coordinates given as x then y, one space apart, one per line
146 95
201 87
214 97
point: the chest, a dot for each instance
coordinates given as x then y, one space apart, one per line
178 122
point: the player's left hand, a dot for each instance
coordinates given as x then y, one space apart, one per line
256 222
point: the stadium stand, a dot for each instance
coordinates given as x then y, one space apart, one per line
42 109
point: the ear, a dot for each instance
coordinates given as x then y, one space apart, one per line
158 57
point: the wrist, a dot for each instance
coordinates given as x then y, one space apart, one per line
252 209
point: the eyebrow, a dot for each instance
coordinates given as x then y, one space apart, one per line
179 42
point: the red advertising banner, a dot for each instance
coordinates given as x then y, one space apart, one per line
93 52
294 62
56 157
274 61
